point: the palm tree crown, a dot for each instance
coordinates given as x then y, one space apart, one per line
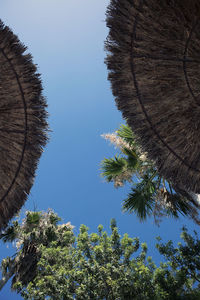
151 193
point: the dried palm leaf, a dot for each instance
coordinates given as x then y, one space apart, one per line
154 69
23 124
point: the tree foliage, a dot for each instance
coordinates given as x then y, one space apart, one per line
151 194
97 265
37 230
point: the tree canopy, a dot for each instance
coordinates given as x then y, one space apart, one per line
51 262
151 194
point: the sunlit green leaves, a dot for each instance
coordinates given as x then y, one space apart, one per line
99 265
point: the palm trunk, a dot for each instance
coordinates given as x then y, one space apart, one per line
6 277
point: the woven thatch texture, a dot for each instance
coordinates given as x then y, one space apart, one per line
22 124
154 64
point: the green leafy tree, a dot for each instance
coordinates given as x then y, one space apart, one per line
151 194
36 230
97 265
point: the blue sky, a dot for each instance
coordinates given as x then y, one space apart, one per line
66 39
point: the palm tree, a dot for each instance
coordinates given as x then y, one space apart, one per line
151 193
38 229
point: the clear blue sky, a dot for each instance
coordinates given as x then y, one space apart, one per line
66 39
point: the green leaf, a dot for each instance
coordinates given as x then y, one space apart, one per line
139 202
10 233
112 167
33 217
126 133
132 159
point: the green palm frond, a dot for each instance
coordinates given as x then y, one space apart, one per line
181 205
141 200
152 194
126 133
132 159
113 167
10 234
139 203
129 151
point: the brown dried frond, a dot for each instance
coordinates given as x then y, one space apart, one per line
23 126
154 68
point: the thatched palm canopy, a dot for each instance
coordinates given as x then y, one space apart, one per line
22 124
154 68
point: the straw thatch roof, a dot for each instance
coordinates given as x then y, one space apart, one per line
22 124
154 68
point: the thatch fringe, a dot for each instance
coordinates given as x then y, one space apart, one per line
23 125
154 68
